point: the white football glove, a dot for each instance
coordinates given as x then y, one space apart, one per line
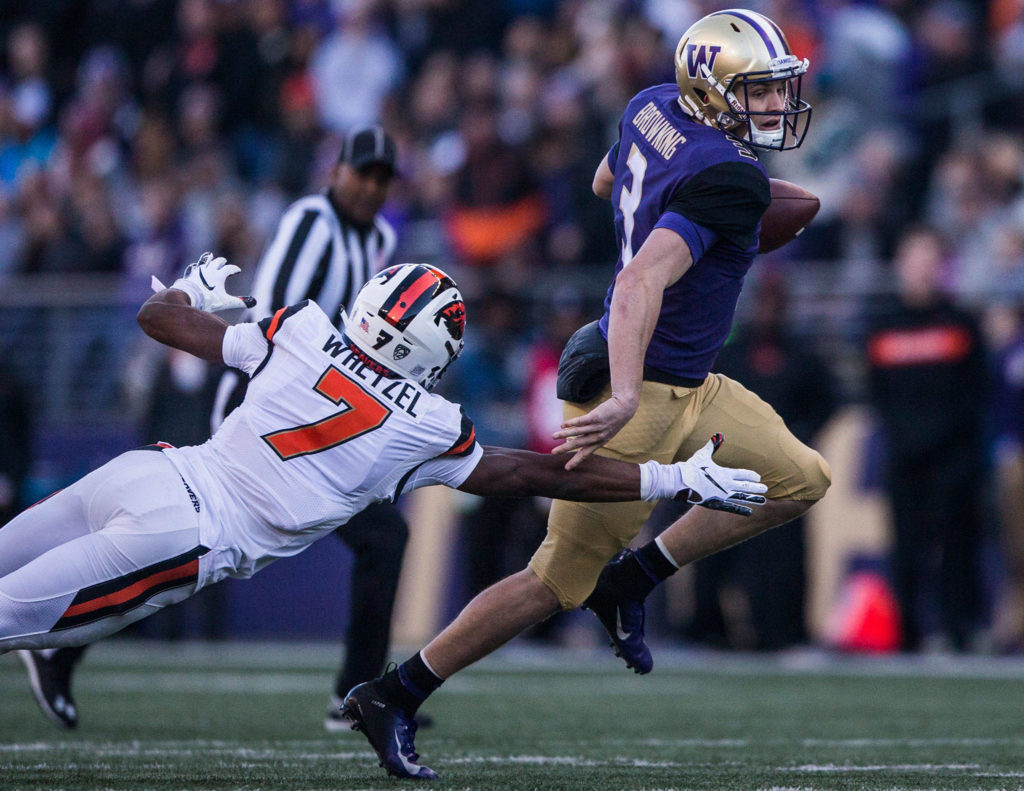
710 485
203 281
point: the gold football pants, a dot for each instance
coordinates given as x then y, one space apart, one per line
671 424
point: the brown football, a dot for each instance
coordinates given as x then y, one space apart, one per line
791 210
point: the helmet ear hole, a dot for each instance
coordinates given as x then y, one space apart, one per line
701 95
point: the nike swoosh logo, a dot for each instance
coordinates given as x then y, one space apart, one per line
716 484
204 280
410 767
618 627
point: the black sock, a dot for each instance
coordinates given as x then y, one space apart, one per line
409 684
645 570
655 562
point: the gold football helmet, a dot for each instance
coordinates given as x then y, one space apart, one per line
721 57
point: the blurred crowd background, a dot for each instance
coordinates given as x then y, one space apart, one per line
134 134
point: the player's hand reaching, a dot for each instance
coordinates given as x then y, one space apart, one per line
720 488
204 280
586 433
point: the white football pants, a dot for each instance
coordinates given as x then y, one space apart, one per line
111 549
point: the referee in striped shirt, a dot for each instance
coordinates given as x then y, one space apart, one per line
326 247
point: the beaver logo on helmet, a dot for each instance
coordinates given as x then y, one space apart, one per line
454 317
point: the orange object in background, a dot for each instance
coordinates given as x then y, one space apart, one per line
866 619
483 235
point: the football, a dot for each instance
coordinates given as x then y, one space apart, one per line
791 210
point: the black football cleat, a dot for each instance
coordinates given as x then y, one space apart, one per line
50 679
621 616
389 730
336 722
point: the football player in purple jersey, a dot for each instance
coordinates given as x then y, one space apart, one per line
688 192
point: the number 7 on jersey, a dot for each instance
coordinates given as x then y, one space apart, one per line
360 414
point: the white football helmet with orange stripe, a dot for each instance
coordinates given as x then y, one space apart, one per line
409 320
721 57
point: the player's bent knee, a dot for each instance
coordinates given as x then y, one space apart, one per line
20 625
570 582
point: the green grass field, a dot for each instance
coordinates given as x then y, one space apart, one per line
249 717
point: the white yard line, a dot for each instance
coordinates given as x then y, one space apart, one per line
299 751
841 768
672 660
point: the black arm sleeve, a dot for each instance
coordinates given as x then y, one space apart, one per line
728 199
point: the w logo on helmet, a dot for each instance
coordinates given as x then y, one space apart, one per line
698 55
454 317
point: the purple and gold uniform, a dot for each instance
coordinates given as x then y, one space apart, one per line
672 172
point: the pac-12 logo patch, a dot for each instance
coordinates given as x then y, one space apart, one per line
401 352
698 55
454 317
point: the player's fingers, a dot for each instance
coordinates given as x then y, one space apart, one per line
756 499
582 420
715 504
572 444
581 454
578 430
250 302
752 487
565 447
740 474
230 269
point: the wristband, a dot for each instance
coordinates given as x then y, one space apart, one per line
195 294
660 481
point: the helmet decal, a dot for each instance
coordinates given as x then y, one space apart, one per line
454 317
698 55
409 298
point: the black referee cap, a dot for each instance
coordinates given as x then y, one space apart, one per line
368 146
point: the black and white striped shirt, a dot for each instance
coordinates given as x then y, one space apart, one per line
319 255
315 254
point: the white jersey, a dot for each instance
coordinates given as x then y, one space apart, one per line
318 437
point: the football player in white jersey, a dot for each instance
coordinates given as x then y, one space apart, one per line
333 421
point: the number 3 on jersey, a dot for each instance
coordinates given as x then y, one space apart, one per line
360 414
629 200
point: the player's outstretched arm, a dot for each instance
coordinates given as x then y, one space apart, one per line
168 317
503 472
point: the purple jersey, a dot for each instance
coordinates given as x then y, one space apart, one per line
672 172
